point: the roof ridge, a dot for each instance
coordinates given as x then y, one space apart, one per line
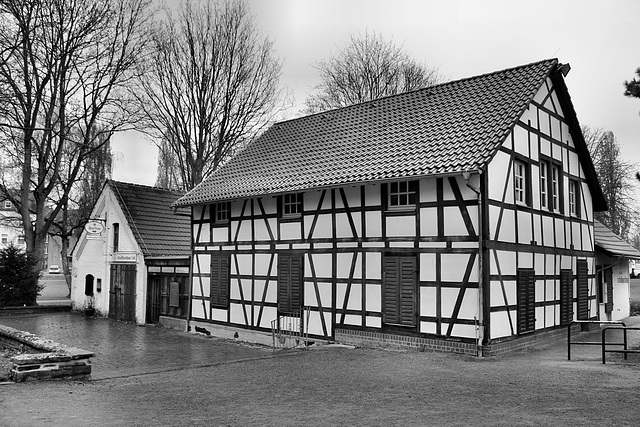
133 184
439 85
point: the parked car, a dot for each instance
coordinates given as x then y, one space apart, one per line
54 269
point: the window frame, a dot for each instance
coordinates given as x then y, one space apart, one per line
525 181
116 236
574 198
291 205
7 204
552 189
220 208
4 238
409 193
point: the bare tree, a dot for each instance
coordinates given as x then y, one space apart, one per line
212 83
169 174
616 180
370 67
64 68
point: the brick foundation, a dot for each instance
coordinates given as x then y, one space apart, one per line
374 339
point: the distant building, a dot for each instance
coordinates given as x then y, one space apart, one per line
132 261
613 256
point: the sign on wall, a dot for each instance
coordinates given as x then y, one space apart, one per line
94 229
128 257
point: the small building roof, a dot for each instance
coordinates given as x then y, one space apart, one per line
157 229
609 242
444 129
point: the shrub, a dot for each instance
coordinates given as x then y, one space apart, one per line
18 277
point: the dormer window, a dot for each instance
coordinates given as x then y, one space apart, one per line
403 194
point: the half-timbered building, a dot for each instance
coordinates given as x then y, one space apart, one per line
457 217
132 262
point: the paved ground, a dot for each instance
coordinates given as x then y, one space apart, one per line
124 349
55 291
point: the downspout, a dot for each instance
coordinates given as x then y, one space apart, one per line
189 303
480 320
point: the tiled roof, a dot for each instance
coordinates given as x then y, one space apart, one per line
609 242
452 127
158 231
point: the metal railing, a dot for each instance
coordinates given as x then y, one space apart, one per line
291 330
598 322
624 343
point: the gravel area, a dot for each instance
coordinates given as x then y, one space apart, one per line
339 386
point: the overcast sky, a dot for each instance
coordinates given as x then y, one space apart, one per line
463 38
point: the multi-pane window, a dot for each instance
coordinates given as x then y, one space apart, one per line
222 212
574 198
544 184
292 204
403 193
7 204
520 181
555 187
550 186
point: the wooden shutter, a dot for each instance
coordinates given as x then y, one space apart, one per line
290 274
608 277
399 290
526 301
582 289
566 297
219 292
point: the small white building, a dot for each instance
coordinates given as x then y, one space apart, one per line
612 273
132 260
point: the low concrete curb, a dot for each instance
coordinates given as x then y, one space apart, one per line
50 360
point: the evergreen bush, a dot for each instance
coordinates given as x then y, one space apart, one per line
18 277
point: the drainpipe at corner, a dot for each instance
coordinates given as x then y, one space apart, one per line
480 319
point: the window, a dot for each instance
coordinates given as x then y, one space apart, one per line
555 187
544 184
220 281
21 239
550 186
403 194
574 197
399 289
5 239
520 181
7 204
526 300
222 210
290 275
116 236
292 204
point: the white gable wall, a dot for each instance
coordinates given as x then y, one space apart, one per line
95 257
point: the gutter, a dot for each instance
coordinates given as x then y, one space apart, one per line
480 319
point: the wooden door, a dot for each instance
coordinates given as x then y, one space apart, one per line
122 292
154 298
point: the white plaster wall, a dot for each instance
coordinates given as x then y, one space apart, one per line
95 256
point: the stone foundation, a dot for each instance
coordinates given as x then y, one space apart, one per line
49 360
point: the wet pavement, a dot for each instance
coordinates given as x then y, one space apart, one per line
125 349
